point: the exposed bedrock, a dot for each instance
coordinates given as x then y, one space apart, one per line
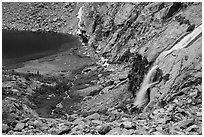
122 31
138 33
128 40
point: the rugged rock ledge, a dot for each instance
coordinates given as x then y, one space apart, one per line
126 39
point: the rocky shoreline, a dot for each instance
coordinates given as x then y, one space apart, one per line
124 39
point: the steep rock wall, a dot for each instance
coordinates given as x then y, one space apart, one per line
121 31
135 33
118 27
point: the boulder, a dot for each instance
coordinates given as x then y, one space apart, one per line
19 126
126 125
77 121
97 122
123 13
65 130
120 131
5 127
104 129
93 116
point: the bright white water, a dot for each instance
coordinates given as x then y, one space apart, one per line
147 82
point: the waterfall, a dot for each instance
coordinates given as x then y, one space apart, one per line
147 83
182 43
140 99
79 16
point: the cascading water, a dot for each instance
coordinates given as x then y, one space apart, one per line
140 99
182 43
79 16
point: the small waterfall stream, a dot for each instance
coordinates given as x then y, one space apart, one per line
141 99
182 43
147 83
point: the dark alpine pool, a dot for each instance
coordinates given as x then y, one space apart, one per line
20 46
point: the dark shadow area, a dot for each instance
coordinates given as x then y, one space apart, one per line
20 46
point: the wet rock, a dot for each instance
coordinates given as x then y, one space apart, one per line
19 126
123 75
71 118
38 123
5 127
127 125
159 128
43 127
104 129
141 131
124 118
174 8
77 121
184 124
97 122
120 131
139 67
113 117
190 28
52 131
157 111
65 131
93 116
157 133
11 132
193 127
199 114
78 128
15 91
30 123
55 19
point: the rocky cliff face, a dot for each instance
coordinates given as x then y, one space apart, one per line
114 28
128 39
140 32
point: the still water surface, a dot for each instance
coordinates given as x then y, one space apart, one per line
20 46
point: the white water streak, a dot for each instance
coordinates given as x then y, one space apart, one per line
79 16
147 82
184 42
